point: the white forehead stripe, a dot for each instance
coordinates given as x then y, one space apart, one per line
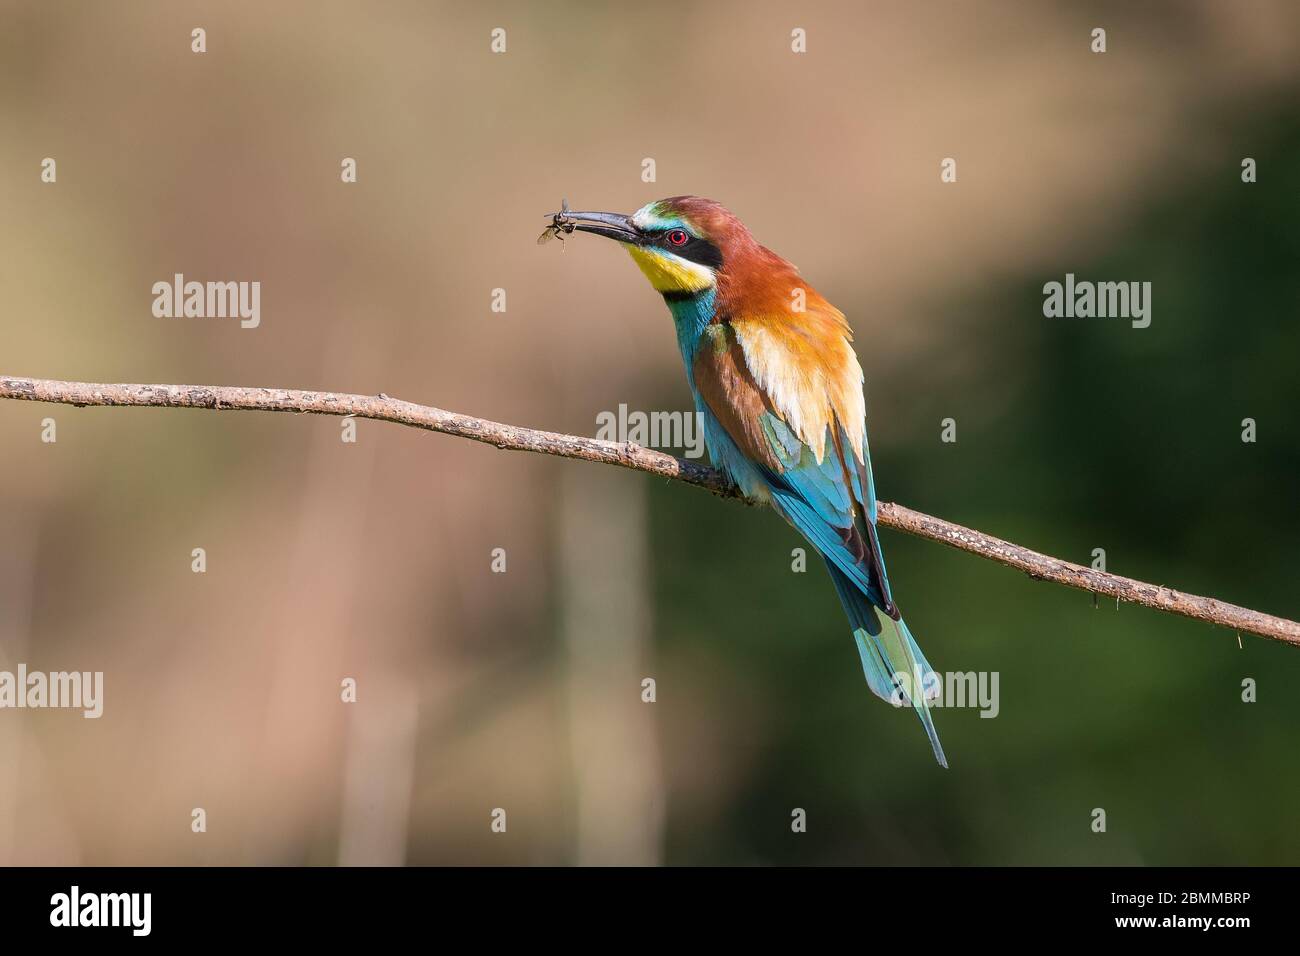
645 218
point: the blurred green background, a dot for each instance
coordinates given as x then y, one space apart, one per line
522 690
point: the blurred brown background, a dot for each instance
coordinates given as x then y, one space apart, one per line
522 690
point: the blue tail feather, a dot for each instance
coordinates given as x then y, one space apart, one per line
888 650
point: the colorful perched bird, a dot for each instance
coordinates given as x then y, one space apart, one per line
779 390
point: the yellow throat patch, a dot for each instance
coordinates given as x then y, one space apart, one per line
670 273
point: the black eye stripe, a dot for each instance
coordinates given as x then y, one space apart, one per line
695 249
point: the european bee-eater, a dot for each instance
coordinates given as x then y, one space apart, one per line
779 390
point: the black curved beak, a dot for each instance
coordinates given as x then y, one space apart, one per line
611 225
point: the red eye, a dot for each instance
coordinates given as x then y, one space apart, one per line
677 237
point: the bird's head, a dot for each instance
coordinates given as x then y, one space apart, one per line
682 244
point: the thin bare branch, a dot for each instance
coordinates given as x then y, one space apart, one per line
512 437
